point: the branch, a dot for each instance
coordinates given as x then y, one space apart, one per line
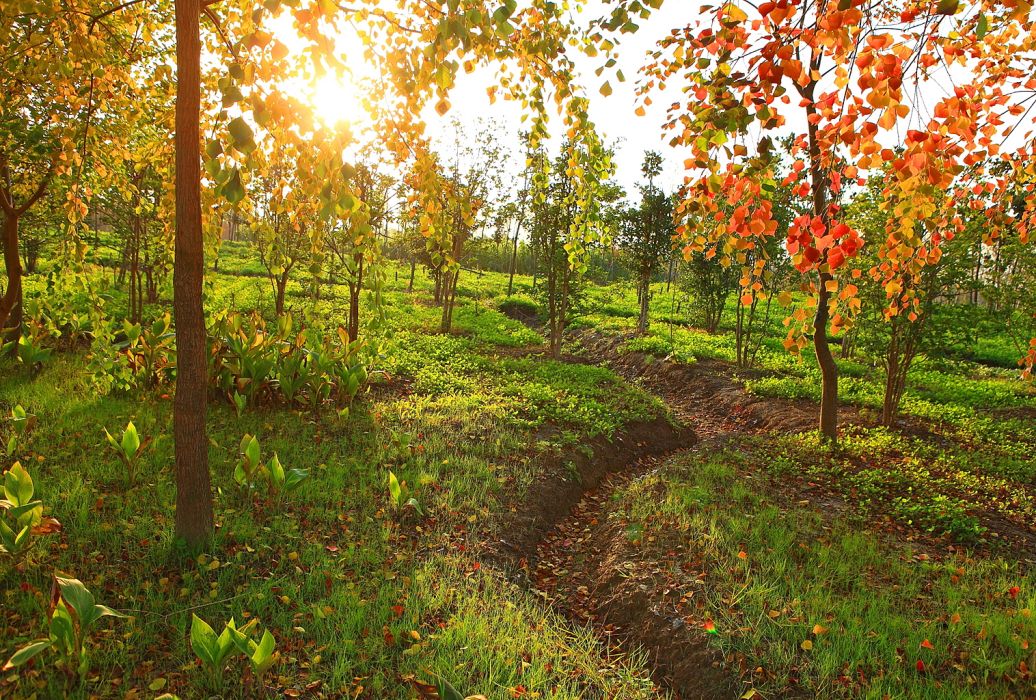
94 19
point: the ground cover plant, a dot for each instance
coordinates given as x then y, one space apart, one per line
321 378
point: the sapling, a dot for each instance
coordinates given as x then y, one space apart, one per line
128 449
72 616
22 516
215 650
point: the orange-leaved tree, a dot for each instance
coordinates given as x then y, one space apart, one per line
859 84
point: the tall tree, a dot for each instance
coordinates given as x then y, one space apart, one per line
646 234
844 75
194 516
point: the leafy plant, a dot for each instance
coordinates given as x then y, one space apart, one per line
21 422
29 352
128 449
73 614
215 650
23 516
281 480
398 492
250 469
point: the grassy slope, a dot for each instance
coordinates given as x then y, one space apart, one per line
356 594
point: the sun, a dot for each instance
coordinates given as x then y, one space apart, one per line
337 101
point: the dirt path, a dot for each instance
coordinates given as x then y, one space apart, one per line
586 567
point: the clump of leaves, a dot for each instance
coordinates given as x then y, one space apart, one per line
22 516
128 449
399 494
22 422
29 351
250 469
215 650
73 613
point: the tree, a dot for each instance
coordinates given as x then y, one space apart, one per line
845 75
555 226
282 218
647 233
353 241
465 187
61 66
709 284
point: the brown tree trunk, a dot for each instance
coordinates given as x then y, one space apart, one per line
194 519
514 254
828 367
281 286
11 303
645 300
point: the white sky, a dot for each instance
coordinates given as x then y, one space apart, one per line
614 115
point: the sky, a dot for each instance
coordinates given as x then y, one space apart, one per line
614 116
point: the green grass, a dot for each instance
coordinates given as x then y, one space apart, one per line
355 592
360 593
816 603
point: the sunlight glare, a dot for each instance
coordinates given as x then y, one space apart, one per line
337 101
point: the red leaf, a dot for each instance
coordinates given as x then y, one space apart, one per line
926 645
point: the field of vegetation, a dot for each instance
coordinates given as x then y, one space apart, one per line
393 553
375 350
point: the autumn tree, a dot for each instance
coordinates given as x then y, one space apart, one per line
847 77
62 66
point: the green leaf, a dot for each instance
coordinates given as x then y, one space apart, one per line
241 135
130 441
26 653
79 599
105 611
112 441
446 691
233 189
251 452
982 27
264 656
18 485
394 489
276 470
204 642
294 477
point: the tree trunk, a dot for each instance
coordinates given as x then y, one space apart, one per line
413 268
281 286
514 254
828 367
645 301
194 519
11 303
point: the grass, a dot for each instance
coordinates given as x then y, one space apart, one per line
811 601
356 592
364 596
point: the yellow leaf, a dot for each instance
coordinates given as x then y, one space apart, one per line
806 645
